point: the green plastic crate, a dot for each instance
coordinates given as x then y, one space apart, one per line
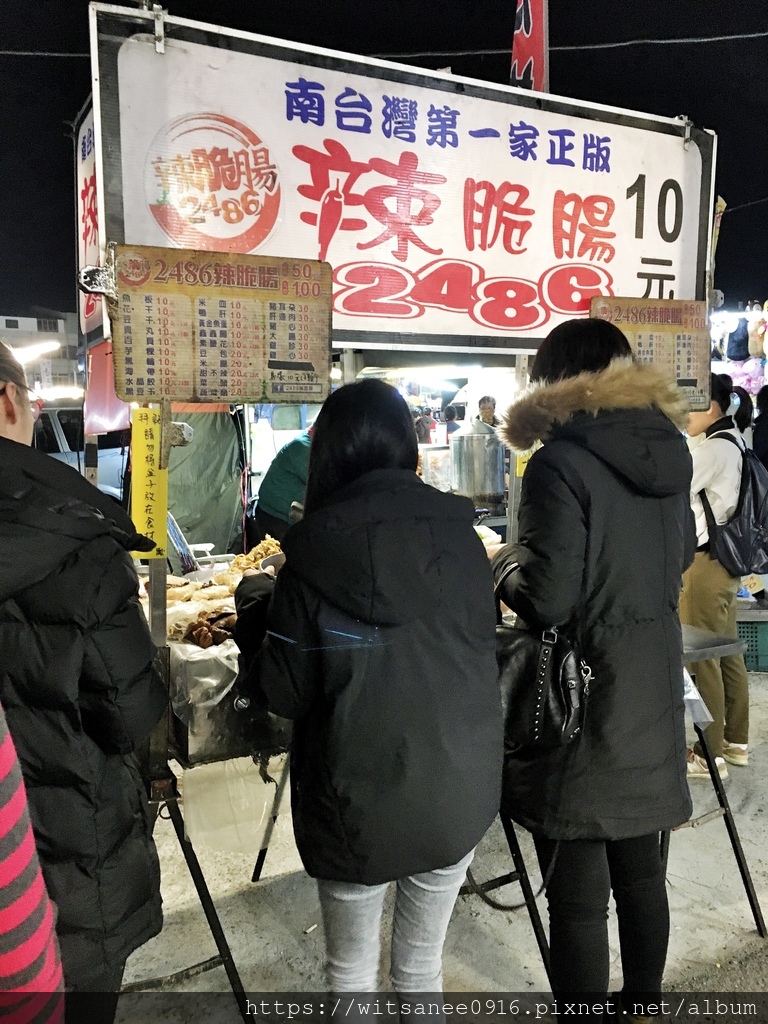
756 654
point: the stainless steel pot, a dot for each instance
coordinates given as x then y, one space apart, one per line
478 469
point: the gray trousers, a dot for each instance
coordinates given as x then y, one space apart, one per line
352 920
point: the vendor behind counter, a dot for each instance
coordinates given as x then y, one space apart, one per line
284 483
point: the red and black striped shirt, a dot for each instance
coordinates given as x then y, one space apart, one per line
31 981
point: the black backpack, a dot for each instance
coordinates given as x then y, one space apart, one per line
741 544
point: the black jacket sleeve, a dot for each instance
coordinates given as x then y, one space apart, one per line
252 599
551 548
289 665
121 695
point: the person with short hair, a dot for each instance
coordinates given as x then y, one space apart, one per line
605 532
80 694
486 421
429 421
450 419
381 647
708 599
487 411
420 425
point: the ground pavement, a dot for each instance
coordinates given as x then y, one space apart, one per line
276 936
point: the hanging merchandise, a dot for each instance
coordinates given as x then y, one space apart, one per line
756 329
738 341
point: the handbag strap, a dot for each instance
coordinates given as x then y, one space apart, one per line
507 572
548 635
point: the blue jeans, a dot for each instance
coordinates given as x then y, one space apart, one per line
352 919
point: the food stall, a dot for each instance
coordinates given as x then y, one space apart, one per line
188 337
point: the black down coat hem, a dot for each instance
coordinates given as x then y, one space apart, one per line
80 694
605 533
381 649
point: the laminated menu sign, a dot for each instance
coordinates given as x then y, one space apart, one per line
211 327
673 334
149 483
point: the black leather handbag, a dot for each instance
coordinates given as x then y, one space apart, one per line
544 684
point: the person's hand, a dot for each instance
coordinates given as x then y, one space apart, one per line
269 571
493 549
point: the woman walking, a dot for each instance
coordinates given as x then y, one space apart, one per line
605 533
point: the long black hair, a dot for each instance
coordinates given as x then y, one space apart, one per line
361 427
746 410
586 345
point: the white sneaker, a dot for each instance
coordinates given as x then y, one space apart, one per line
697 766
735 753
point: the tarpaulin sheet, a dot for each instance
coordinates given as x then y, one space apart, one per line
204 482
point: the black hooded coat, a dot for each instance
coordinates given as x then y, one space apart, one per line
79 692
381 647
605 532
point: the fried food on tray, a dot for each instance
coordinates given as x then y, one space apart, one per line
210 630
184 592
265 548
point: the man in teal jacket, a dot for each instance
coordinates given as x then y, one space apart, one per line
284 482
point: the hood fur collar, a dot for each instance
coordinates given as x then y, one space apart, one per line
622 385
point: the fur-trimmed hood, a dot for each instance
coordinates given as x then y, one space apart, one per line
629 415
622 385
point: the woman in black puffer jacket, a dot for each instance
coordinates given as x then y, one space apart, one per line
80 693
381 648
605 532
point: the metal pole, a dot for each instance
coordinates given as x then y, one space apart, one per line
515 468
210 910
733 835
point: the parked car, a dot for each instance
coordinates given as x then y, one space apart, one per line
59 431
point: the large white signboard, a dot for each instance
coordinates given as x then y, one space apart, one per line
454 213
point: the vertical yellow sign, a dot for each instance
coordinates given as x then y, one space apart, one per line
521 461
149 483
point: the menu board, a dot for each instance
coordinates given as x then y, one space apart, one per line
673 334
196 326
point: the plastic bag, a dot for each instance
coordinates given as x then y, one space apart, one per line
201 679
694 702
228 806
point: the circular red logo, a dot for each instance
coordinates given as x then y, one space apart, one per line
210 183
132 268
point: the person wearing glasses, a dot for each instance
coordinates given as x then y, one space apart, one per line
35 404
80 693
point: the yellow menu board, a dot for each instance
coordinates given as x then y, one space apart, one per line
673 334
198 326
149 483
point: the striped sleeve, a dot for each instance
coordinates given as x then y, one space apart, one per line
31 982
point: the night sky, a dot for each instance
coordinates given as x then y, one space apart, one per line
719 85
